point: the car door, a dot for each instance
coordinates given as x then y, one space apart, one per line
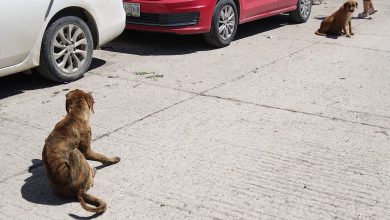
286 3
20 24
252 8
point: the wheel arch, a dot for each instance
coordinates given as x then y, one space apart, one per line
82 14
238 6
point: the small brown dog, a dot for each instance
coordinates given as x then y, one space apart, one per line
67 149
336 23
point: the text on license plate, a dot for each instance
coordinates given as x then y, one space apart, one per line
132 9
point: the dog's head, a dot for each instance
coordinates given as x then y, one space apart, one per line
76 96
350 5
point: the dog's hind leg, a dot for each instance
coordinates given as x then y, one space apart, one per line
79 169
92 155
89 154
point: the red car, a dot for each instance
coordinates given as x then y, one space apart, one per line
216 19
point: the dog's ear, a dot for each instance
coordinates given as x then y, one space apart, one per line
345 6
89 99
68 102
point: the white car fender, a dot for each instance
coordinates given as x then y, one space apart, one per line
55 8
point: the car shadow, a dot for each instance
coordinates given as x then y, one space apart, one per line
36 190
18 83
96 63
155 44
149 43
263 25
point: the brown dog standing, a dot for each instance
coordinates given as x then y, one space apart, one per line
67 149
338 21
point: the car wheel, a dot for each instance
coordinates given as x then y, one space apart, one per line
302 13
66 51
223 25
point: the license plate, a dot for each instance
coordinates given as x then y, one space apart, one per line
132 9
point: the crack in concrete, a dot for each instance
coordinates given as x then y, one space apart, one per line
356 47
364 113
20 123
143 118
295 111
256 69
372 34
149 83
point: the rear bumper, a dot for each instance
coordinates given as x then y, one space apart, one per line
180 17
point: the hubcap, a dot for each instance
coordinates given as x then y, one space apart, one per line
227 21
69 48
305 8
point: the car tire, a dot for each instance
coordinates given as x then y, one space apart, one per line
227 24
66 51
302 13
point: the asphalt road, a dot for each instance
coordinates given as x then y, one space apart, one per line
282 124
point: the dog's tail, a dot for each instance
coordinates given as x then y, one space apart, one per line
319 33
84 198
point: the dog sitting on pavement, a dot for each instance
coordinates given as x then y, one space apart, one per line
67 149
336 24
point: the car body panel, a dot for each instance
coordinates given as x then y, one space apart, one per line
252 8
18 38
268 14
108 16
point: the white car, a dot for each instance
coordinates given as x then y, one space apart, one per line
56 36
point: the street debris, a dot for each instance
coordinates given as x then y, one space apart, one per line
271 36
149 75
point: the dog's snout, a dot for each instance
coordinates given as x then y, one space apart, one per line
351 8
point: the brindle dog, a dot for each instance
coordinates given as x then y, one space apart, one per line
67 149
336 23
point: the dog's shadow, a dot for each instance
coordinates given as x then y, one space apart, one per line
36 190
36 187
321 18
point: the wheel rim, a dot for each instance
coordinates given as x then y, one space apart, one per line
227 22
69 48
305 8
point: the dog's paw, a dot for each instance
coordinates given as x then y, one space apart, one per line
112 160
352 33
115 159
348 35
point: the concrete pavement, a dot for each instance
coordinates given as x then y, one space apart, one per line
293 126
